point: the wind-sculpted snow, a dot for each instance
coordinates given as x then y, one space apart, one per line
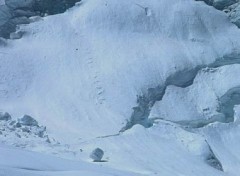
183 79
230 7
223 139
165 142
208 96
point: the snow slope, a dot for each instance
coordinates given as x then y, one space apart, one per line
19 162
84 68
224 141
79 73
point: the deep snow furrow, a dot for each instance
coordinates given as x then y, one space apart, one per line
93 74
181 79
212 160
227 103
96 82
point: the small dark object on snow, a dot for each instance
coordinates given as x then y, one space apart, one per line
97 155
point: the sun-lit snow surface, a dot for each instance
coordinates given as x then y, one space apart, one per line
159 149
202 99
79 73
19 162
83 69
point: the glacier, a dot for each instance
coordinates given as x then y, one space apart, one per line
153 83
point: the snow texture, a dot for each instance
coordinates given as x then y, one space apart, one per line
83 73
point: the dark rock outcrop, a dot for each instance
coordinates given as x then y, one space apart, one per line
15 12
27 121
220 4
5 116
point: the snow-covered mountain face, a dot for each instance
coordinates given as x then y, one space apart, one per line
230 7
153 83
221 4
16 12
